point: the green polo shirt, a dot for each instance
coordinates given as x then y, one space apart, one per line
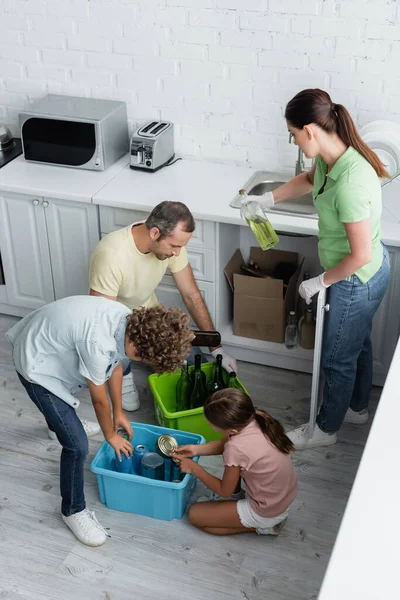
352 193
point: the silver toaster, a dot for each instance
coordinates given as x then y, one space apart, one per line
152 145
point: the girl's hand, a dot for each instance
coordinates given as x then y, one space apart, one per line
120 445
120 420
187 465
187 451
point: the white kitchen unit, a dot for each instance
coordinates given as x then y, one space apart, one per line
364 562
45 247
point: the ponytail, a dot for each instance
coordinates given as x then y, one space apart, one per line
348 133
231 408
274 431
316 106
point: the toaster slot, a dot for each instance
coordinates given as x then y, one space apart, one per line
160 127
149 126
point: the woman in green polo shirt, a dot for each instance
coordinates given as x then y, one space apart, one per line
344 181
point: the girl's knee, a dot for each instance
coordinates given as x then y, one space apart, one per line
193 515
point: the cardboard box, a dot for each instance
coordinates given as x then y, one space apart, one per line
261 305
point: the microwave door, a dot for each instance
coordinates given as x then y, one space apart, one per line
54 141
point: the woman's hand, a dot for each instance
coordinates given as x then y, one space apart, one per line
310 287
187 451
120 445
121 420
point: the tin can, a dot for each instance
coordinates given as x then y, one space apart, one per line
175 472
176 481
166 444
138 453
153 466
125 465
123 433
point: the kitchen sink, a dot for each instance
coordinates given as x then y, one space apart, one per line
261 182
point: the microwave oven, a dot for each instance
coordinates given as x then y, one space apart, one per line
83 133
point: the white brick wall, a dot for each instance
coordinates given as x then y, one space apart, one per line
222 70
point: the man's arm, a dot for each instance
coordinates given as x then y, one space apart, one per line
193 299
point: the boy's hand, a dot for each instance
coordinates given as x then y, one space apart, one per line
187 451
187 465
120 420
119 444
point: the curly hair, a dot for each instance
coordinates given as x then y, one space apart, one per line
162 336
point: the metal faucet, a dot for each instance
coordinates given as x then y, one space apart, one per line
300 167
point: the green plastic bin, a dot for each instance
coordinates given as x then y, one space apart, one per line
163 388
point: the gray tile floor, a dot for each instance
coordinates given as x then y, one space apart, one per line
147 559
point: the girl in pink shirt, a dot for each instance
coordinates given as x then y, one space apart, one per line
254 446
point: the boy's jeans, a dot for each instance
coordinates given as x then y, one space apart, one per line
64 421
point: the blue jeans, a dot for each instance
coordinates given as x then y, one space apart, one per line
63 420
347 349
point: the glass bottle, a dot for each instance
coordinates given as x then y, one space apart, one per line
198 394
203 375
302 306
291 332
183 389
258 222
212 339
217 382
307 330
233 383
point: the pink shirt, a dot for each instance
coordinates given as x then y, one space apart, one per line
271 481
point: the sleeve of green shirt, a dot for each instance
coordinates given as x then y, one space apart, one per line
352 203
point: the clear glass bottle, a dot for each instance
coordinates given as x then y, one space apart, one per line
217 382
199 393
258 222
307 330
291 332
183 389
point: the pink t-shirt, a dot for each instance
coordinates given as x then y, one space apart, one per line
271 481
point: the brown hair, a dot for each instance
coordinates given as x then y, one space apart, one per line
233 409
161 336
166 216
316 106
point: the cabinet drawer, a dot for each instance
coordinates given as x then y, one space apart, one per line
112 219
168 294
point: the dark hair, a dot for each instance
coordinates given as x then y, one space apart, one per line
166 216
233 409
162 336
316 106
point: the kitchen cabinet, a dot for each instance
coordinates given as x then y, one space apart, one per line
45 246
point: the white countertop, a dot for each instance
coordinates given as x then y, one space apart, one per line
206 187
21 176
365 561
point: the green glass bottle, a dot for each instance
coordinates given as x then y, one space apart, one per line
203 375
199 393
233 382
217 382
183 389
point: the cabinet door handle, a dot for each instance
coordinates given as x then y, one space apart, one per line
35 202
45 203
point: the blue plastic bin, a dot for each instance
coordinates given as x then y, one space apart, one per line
133 493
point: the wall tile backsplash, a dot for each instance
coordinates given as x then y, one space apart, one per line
222 70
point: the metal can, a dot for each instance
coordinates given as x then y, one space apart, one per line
123 433
153 466
138 453
166 444
175 471
125 465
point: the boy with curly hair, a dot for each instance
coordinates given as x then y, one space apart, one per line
81 341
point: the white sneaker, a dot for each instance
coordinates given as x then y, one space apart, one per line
130 395
91 428
301 440
357 418
86 528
